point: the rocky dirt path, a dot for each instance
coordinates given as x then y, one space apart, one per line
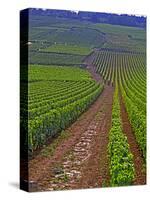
85 163
140 172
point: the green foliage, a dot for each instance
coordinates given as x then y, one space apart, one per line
138 121
45 58
50 72
51 123
57 97
109 62
60 100
121 160
61 31
130 70
123 37
133 88
70 49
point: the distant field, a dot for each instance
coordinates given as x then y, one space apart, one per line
47 58
73 35
122 37
50 72
37 45
52 39
70 49
72 32
117 29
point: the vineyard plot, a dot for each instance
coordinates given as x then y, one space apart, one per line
57 96
128 70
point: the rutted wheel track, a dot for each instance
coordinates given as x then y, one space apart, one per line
85 165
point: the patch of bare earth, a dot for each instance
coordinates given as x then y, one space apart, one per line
140 172
91 68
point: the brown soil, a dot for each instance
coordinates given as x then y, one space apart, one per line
81 160
96 172
91 68
140 172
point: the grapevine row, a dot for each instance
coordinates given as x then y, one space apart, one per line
121 160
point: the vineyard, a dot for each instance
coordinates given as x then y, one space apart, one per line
58 96
128 71
86 111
